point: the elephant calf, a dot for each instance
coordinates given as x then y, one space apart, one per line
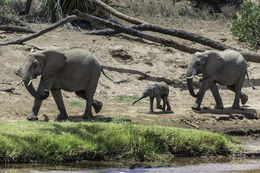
73 70
224 67
158 91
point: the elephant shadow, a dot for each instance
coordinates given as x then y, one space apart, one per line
244 111
96 118
160 112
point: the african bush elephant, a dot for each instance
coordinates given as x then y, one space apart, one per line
224 67
158 91
73 70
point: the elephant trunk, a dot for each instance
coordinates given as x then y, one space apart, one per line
190 86
138 99
29 86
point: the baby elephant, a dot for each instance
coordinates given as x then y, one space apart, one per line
158 91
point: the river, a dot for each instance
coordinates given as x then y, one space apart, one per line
179 165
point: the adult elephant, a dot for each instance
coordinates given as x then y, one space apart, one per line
73 70
225 67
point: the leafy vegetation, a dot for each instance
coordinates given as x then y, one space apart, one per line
23 142
247 25
57 9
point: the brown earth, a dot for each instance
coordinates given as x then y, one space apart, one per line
141 62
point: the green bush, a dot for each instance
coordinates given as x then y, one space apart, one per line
247 25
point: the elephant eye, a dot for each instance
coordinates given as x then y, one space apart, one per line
34 65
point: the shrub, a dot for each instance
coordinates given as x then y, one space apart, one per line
57 9
247 25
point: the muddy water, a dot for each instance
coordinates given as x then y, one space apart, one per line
179 165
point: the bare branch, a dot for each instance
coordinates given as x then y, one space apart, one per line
118 14
16 29
252 57
136 33
48 29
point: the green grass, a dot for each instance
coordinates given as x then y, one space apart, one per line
75 103
125 98
52 142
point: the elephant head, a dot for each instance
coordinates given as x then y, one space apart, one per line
146 93
45 63
206 63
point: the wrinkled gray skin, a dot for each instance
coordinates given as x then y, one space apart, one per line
225 67
158 91
73 70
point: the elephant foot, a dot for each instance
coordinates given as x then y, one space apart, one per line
235 107
32 117
62 117
168 110
98 106
159 107
88 116
244 99
219 107
196 106
150 112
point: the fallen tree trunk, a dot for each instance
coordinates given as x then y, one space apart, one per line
16 29
118 14
136 33
145 26
169 31
252 57
48 29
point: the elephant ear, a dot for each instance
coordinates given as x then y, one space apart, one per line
54 61
214 62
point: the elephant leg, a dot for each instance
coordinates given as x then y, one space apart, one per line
89 94
204 86
243 96
158 102
214 90
164 99
89 101
35 110
97 105
238 87
36 104
151 104
168 103
60 104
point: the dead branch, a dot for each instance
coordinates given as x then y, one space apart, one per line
130 31
189 123
48 29
169 31
252 57
16 29
118 14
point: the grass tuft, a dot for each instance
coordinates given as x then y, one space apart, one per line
24 142
125 98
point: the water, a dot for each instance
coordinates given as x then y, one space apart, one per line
179 165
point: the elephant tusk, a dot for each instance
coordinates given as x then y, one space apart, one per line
190 77
20 82
30 82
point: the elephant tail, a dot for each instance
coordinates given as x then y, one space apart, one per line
138 100
249 81
116 82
